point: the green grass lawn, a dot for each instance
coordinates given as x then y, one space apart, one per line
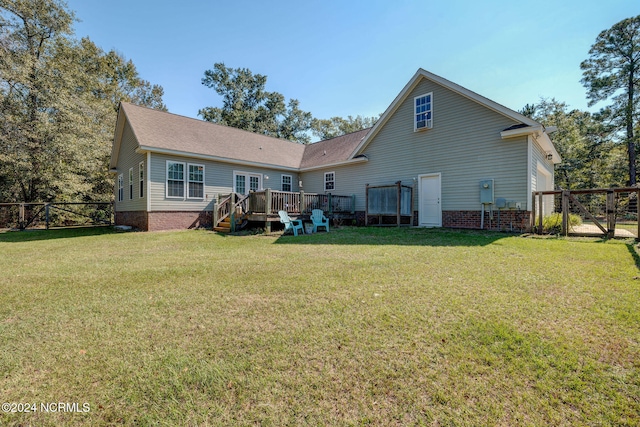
360 326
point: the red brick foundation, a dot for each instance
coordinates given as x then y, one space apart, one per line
137 219
506 220
164 220
503 220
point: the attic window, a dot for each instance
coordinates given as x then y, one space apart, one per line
423 106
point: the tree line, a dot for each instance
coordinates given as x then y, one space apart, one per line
59 97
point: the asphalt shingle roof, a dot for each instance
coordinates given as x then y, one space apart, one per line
166 131
158 130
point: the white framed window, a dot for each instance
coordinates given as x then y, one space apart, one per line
196 181
175 179
120 187
131 183
185 179
141 179
286 182
423 112
245 182
329 181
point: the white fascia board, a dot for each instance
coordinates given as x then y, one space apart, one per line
145 149
539 134
529 130
546 144
117 139
421 73
336 164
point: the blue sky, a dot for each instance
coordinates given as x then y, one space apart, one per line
341 58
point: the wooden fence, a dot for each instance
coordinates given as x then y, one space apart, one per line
393 202
604 220
55 214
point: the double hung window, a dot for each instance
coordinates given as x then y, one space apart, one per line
423 106
185 178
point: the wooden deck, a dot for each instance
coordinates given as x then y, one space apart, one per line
263 206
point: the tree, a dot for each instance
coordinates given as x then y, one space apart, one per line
337 126
58 98
613 72
583 141
247 105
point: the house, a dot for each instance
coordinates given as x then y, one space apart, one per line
459 152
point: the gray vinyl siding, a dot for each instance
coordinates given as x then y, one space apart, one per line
538 157
464 145
218 179
128 158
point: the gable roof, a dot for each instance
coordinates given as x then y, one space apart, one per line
528 126
162 132
332 151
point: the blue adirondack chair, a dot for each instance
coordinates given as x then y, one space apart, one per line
319 220
290 224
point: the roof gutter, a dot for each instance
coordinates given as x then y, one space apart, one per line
359 159
539 134
144 149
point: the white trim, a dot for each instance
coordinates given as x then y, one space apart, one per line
324 181
166 180
188 181
541 168
148 178
429 122
117 139
547 201
539 133
247 176
529 170
430 175
336 164
282 182
131 181
141 168
411 85
146 149
120 186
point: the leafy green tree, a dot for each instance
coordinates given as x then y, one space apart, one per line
247 105
583 141
58 98
337 126
613 72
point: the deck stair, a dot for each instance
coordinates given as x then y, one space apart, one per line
229 213
223 226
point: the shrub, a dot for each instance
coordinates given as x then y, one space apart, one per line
553 223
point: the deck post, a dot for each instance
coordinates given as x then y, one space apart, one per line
353 204
638 214
267 208
533 211
232 213
398 202
540 212
611 214
303 205
330 202
366 205
565 213
214 214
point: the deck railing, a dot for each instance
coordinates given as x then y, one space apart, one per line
298 203
227 206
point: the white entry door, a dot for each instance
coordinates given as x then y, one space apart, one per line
430 214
